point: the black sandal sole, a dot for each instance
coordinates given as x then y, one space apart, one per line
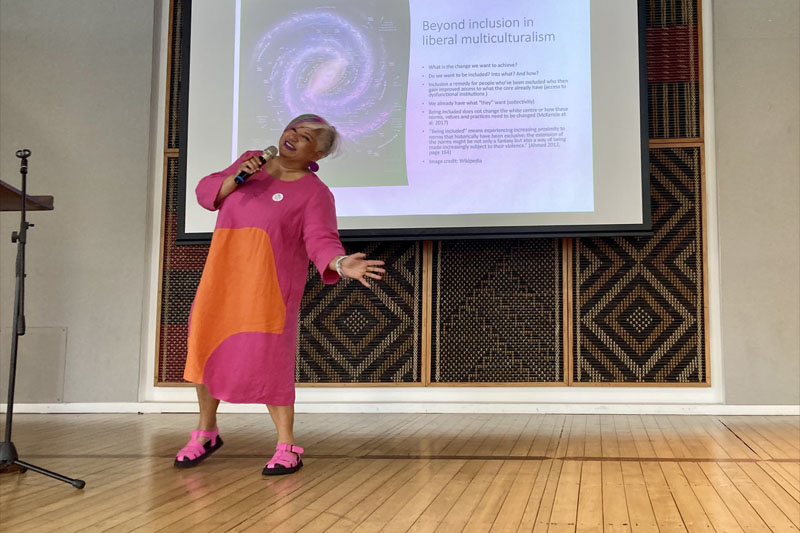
281 470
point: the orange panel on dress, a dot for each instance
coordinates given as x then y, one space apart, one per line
239 292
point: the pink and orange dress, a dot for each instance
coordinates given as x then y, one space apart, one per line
243 324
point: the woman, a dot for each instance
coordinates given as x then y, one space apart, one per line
243 324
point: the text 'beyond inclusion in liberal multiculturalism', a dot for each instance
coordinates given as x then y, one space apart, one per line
451 32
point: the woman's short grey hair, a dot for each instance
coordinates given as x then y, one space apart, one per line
328 139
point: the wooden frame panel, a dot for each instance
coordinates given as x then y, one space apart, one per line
427 266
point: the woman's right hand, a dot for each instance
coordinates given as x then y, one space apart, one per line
251 165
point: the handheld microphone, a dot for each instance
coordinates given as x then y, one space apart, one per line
268 153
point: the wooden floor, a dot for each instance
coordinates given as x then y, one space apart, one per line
411 472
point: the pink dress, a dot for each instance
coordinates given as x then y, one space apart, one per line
243 324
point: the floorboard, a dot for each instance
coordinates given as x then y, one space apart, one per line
411 472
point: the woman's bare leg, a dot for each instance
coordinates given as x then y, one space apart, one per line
207 422
208 410
283 418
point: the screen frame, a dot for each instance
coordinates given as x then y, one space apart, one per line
442 233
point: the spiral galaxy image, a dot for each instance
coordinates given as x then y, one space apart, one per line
336 61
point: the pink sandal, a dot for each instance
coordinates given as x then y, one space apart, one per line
194 452
285 461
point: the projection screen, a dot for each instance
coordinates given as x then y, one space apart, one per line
458 120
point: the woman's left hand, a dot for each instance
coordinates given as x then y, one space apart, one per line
357 266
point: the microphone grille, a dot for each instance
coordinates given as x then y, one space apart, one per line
270 151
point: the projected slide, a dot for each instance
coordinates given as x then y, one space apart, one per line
453 115
432 97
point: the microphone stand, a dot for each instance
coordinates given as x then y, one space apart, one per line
9 460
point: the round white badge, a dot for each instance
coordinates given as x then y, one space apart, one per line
277 197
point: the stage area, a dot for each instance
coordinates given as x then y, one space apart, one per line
412 472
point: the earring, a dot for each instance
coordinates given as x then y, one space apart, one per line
313 166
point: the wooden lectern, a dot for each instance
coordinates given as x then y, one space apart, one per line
11 200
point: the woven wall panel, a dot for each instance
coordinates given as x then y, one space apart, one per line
674 110
350 334
176 73
638 302
497 311
673 69
662 13
182 267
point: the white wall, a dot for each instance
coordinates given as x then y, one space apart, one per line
757 61
75 88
